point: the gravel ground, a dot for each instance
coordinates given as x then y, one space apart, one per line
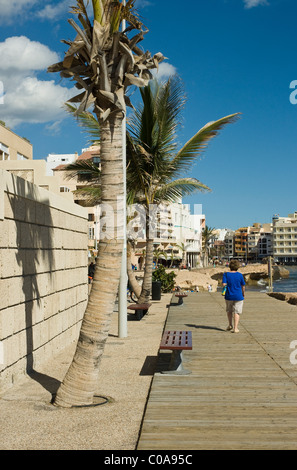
30 422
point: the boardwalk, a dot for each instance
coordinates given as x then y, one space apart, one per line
242 392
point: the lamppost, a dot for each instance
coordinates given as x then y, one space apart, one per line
122 315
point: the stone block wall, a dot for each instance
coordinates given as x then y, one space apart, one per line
43 275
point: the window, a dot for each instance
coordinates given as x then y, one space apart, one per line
64 189
20 156
96 160
4 152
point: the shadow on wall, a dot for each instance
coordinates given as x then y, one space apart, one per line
34 236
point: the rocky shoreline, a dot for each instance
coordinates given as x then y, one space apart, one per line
290 297
203 277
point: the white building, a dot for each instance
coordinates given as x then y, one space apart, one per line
285 238
53 160
176 232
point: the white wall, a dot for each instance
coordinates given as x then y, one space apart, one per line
43 275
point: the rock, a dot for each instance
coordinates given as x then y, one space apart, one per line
194 278
202 277
280 272
278 295
290 297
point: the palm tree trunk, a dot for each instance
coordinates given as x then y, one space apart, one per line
148 270
80 382
136 288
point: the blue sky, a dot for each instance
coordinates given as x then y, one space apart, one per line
233 56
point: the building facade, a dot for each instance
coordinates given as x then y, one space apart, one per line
285 239
54 159
251 243
12 146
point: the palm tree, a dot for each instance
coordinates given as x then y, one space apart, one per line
207 236
183 247
103 62
156 167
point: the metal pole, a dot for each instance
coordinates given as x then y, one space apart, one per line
270 274
122 315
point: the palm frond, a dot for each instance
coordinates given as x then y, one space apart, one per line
85 169
197 144
87 121
176 189
170 102
153 126
91 195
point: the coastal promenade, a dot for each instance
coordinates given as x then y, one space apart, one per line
242 392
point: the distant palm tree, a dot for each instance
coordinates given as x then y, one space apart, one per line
183 247
207 236
103 62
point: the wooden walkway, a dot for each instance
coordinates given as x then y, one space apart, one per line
242 393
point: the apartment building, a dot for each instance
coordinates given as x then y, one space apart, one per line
252 243
229 244
16 157
260 243
241 242
55 159
12 146
177 234
285 238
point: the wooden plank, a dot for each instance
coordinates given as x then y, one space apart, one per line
242 392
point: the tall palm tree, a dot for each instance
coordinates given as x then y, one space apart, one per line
103 62
157 166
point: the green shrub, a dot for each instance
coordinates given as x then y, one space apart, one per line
167 279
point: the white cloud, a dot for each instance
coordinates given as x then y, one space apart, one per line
142 3
26 97
34 101
49 12
12 8
254 3
18 10
165 70
20 54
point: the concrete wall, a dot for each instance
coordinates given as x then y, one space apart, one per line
43 275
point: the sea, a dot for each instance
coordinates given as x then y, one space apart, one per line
281 285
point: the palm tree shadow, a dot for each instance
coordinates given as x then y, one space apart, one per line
48 383
35 247
204 327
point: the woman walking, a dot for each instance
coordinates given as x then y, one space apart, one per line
234 296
